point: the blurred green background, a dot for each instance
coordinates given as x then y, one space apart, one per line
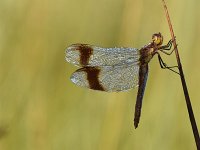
40 109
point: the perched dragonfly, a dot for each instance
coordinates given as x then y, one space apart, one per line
116 69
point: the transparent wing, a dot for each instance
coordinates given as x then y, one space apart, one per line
90 55
110 79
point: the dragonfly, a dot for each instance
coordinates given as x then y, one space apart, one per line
117 69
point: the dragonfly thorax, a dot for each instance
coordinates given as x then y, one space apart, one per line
157 38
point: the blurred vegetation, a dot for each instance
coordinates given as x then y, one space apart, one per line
41 109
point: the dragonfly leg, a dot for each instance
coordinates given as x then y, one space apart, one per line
167 47
164 65
167 52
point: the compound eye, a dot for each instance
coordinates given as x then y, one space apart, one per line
154 38
157 38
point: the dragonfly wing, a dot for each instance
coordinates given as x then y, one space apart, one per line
90 55
109 78
143 74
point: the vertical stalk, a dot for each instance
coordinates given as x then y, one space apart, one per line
187 98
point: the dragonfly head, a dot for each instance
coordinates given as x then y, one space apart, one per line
157 38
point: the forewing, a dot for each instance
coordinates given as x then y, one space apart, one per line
89 55
143 74
110 79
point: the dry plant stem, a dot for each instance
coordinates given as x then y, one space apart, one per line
187 98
